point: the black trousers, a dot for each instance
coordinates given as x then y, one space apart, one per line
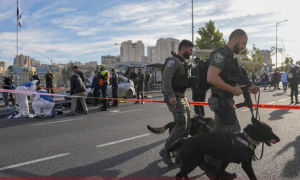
49 85
96 93
140 90
294 91
199 96
104 95
115 95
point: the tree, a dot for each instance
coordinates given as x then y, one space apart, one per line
210 38
256 57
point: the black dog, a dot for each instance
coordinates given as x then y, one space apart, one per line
227 147
196 128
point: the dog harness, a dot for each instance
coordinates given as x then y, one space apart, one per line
238 141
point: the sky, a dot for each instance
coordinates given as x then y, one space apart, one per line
84 30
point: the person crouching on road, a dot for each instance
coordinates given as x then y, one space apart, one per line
45 102
77 88
140 85
22 98
114 84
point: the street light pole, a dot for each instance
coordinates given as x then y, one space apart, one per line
276 38
193 28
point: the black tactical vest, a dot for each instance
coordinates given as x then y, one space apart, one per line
179 82
230 70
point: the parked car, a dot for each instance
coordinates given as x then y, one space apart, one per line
125 90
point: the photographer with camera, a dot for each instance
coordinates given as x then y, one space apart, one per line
224 74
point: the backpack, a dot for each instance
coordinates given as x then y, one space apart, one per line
201 75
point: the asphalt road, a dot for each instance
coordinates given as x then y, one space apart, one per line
118 144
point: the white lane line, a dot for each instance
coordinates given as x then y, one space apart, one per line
282 100
34 161
124 112
271 103
128 139
245 110
57 122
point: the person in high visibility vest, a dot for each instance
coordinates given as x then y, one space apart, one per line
103 82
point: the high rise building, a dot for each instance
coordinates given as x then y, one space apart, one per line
266 56
132 51
151 53
25 61
109 60
164 47
3 67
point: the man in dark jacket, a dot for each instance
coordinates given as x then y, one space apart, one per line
96 88
293 80
140 85
148 80
198 95
276 77
8 83
36 77
77 88
80 74
264 79
114 84
49 81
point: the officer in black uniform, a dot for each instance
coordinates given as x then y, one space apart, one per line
114 84
222 72
198 94
293 80
36 77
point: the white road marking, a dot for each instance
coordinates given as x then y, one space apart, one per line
271 103
124 112
57 122
282 100
245 110
34 161
128 139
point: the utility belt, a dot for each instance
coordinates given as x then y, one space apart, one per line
223 105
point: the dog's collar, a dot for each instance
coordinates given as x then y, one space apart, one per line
253 143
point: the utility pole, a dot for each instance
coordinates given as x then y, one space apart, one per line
276 38
193 29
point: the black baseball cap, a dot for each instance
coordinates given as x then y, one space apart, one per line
75 67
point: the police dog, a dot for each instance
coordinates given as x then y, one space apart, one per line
227 147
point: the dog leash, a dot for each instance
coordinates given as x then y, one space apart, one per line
258 118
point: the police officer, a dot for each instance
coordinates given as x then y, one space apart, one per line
103 82
36 77
198 94
293 79
175 82
114 84
140 85
223 65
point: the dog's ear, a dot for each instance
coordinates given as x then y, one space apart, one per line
255 121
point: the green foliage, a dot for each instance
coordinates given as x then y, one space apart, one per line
210 37
256 57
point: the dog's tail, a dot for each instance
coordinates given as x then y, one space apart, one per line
160 130
177 144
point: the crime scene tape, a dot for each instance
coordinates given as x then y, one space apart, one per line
265 106
56 89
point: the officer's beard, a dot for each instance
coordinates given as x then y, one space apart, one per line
186 55
236 48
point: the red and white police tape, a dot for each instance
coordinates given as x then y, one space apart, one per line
265 106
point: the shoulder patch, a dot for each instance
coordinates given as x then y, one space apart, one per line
218 57
170 63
